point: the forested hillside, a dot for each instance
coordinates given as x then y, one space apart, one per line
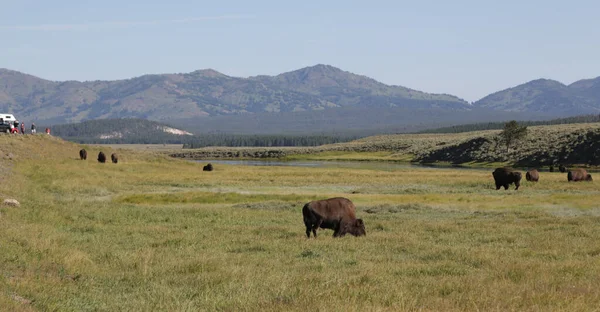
547 96
140 131
205 93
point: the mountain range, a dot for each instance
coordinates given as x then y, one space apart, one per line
549 96
320 89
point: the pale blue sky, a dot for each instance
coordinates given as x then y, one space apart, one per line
465 48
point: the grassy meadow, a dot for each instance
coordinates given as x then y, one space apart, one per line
158 234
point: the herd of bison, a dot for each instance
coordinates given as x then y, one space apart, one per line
101 156
507 176
339 213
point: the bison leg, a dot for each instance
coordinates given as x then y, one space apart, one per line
505 186
316 226
338 231
308 223
517 184
308 227
498 185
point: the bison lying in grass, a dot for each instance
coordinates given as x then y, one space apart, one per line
532 175
338 214
578 175
114 158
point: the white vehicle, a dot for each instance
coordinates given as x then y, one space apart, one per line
8 117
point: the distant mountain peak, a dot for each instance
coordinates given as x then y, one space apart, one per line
322 75
544 82
543 96
319 69
322 67
208 72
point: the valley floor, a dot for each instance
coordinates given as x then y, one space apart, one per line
155 233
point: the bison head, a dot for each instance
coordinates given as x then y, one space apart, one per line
355 227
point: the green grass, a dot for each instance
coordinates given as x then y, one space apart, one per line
152 233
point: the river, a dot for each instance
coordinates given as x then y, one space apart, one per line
373 165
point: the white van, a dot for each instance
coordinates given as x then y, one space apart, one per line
8 117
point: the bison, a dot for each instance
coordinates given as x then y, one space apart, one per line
101 157
114 158
83 154
505 177
551 168
562 168
338 214
532 175
578 175
208 167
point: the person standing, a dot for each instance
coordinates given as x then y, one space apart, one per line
32 128
22 128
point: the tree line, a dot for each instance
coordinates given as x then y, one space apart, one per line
231 140
140 131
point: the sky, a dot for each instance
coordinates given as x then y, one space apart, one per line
465 48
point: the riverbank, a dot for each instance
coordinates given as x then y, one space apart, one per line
544 146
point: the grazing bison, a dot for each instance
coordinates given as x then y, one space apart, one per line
551 169
562 168
83 154
532 175
338 214
101 157
114 158
505 177
578 175
208 167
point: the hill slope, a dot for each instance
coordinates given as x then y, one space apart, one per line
204 93
572 144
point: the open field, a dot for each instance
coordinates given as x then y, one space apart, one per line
158 234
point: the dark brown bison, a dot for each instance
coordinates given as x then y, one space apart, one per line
551 168
208 167
505 177
114 158
562 168
578 175
101 157
83 154
338 214
532 175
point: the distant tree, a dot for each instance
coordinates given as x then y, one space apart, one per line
512 133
